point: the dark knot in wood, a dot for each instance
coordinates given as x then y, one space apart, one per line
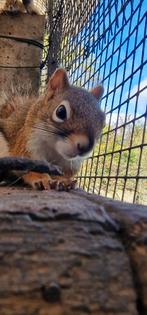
52 293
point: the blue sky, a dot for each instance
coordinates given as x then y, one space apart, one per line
112 64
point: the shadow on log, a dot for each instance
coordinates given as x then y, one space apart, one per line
71 253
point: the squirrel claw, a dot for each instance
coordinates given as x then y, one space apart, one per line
63 184
41 186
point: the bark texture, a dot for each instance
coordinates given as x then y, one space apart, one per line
71 253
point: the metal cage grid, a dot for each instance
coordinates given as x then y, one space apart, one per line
105 41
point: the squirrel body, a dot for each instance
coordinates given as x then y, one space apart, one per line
60 127
20 6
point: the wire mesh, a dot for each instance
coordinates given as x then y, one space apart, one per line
105 41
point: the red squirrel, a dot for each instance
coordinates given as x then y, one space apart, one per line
62 126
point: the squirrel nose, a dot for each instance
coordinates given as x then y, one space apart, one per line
84 145
82 148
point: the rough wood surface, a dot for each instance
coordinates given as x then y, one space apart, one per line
20 61
71 253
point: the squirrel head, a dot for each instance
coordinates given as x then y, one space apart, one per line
71 116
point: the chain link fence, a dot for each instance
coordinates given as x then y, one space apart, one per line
105 41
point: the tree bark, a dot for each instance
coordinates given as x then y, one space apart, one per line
71 253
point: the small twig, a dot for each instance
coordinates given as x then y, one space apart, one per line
10 164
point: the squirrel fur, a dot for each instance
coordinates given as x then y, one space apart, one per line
61 126
19 6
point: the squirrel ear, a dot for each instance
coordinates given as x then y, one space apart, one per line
58 80
97 91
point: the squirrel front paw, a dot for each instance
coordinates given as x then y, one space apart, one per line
37 180
45 182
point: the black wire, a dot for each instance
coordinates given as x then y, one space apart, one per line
24 40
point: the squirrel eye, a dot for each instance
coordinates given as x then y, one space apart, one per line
62 112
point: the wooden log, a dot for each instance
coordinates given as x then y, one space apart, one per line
71 253
21 39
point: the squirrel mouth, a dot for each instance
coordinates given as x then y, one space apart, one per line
75 156
70 157
74 150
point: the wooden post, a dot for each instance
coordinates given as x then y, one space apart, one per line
19 60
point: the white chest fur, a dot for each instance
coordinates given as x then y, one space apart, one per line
42 146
